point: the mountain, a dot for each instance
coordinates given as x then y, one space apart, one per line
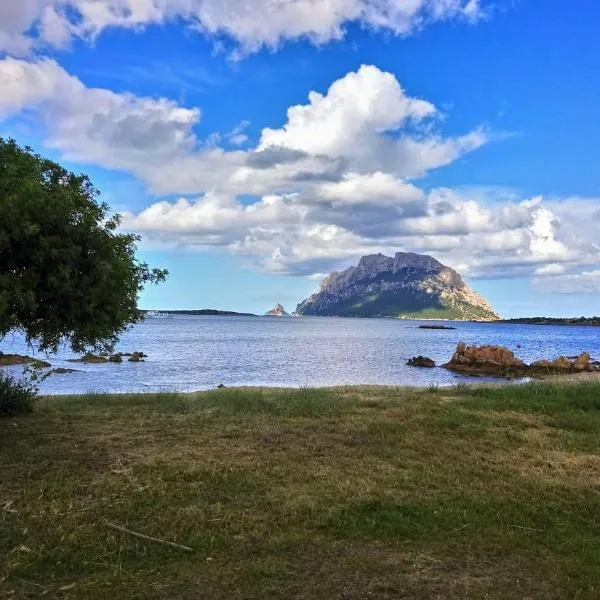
277 311
407 285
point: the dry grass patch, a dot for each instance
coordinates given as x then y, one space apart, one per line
341 493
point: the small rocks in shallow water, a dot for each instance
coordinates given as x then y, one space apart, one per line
90 359
62 371
421 361
7 360
114 358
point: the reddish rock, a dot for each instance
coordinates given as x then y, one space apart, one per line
501 362
583 362
564 364
486 360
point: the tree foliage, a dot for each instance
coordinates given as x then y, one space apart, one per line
66 273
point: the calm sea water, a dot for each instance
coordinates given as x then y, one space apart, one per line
193 353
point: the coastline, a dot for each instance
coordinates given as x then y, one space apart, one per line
473 381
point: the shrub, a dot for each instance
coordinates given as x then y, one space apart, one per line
16 395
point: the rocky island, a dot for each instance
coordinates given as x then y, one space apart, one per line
407 285
277 311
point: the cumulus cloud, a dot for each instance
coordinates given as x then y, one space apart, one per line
364 122
360 125
96 125
338 179
252 24
309 232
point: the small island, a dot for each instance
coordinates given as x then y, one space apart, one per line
277 311
435 327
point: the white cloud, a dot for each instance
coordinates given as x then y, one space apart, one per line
363 119
295 234
549 270
585 282
96 125
356 188
334 182
252 24
357 107
359 126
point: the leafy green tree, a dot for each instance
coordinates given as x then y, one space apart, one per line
66 274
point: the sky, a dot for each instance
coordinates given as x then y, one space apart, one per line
256 146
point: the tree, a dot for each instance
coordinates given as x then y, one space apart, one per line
66 274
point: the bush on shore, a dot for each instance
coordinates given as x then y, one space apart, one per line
16 395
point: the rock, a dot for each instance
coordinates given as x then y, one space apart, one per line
435 327
9 360
277 311
405 285
63 371
40 364
116 358
486 360
582 363
93 359
421 361
564 364
501 362
137 357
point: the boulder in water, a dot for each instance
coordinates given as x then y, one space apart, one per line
421 361
486 360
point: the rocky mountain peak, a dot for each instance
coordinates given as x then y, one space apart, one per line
405 285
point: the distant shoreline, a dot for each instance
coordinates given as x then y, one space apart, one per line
210 312
566 322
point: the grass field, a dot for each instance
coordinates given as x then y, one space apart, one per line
488 492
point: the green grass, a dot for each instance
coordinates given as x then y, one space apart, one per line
464 492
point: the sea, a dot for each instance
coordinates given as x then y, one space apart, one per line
188 353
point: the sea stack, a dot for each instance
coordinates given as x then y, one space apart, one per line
277 311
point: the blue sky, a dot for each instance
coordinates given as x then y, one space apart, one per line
466 130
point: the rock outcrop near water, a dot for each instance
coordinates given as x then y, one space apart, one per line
8 360
498 361
407 285
277 311
421 361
